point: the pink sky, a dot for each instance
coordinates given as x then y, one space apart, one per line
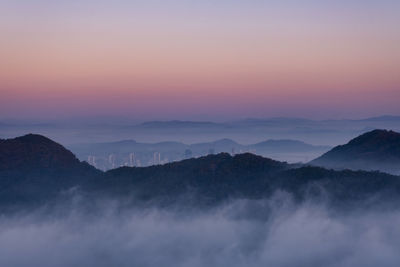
183 59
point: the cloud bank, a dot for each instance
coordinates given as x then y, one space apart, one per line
272 232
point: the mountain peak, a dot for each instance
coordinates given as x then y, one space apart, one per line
374 150
377 135
34 151
225 141
33 138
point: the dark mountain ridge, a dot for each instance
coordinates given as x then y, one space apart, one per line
207 180
34 151
214 177
34 168
374 150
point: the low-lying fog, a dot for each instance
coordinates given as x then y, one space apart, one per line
272 232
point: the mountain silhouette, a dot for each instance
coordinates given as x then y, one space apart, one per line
178 124
287 146
374 150
35 170
34 151
214 177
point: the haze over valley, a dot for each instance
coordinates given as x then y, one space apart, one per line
244 131
247 208
176 133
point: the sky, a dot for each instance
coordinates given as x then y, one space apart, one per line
176 59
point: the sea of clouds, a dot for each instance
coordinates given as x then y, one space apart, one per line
271 232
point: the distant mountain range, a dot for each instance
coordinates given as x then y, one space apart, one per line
34 170
260 121
131 153
375 150
243 131
383 118
178 124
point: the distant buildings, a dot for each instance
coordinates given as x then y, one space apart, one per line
157 158
132 162
143 158
92 160
111 160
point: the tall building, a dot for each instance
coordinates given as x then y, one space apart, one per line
111 160
156 158
92 160
132 159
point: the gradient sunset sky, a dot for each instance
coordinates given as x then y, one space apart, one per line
219 59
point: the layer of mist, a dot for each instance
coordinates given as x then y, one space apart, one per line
245 131
269 232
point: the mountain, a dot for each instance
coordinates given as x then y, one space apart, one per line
286 146
245 131
383 118
120 152
374 150
34 151
178 124
34 168
214 178
272 121
46 171
218 146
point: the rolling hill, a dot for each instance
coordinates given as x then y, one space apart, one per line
374 150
